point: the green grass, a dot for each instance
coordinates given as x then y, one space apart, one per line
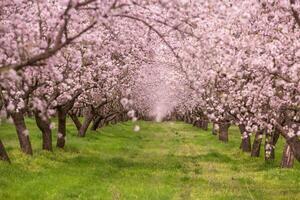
162 161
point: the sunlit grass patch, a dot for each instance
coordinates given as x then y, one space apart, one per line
169 160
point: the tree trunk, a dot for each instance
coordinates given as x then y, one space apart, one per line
87 121
223 132
287 157
294 143
246 140
23 134
215 129
3 154
275 137
268 147
270 142
204 124
257 144
102 123
75 120
114 120
197 123
189 120
186 118
96 123
61 134
44 126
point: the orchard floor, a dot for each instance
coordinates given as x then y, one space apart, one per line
170 160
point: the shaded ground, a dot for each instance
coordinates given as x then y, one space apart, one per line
162 161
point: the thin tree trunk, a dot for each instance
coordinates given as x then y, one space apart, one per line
3 154
62 112
268 147
23 133
75 120
275 138
257 144
189 120
114 121
246 140
270 142
62 115
223 132
102 123
126 118
287 157
96 123
294 143
87 121
204 124
44 126
215 129
197 123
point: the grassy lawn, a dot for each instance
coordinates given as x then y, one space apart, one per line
163 161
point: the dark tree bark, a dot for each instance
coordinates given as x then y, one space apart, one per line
85 125
197 123
214 130
204 124
62 112
257 144
44 126
270 142
125 117
102 123
75 120
189 119
22 132
246 139
62 117
114 121
268 147
96 123
287 157
3 154
294 143
223 132
275 137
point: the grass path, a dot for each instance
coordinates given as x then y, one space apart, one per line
162 161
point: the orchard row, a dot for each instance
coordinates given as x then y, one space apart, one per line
225 62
